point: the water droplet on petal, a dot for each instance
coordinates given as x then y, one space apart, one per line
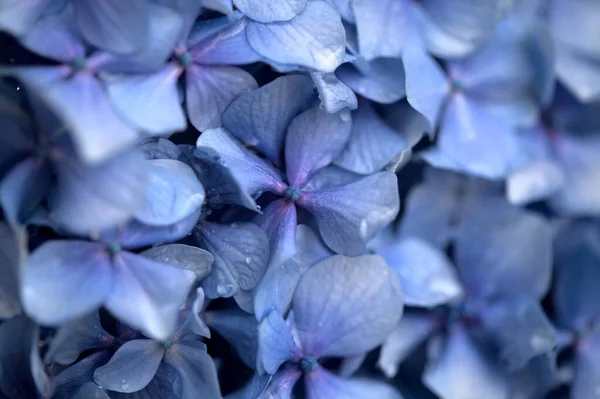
124 387
226 290
248 260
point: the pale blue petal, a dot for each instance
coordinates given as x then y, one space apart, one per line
322 384
276 289
275 343
267 11
239 329
197 371
182 256
335 96
382 80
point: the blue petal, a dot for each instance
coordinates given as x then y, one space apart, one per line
278 386
241 253
210 90
23 374
69 381
197 371
310 249
576 297
90 390
276 289
160 148
317 24
381 81
372 145
334 94
251 171
65 280
228 46
149 102
275 343
428 278
412 330
132 367
23 188
322 384
384 27
484 145
17 17
173 193
454 30
270 10
98 196
587 368
427 87
536 182
147 295
222 6
167 383
182 256
315 138
13 253
113 25
579 73
344 8
239 329
220 184
260 117
331 176
279 222
521 331
349 216
505 253
77 336
474 376
98 132
54 37
346 306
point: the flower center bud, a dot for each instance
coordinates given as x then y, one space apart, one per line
113 248
79 63
185 59
292 193
308 364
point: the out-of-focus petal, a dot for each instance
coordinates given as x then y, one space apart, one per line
13 254
17 17
334 94
321 384
270 10
349 216
382 81
587 368
239 329
182 256
318 24
65 280
346 306
197 371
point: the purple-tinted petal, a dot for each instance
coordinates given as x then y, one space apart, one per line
411 331
505 252
13 253
147 295
97 130
113 25
65 280
454 30
427 277
321 384
426 84
276 290
521 331
260 117
182 256
317 23
484 145
173 193
197 371
239 329
381 81
149 102
98 196
132 367
251 171
577 268
314 139
77 336
228 46
23 188
587 368
275 343
384 27
372 145
55 38
279 222
334 94
346 306
17 17
473 377
241 253
210 90
270 10
23 374
349 216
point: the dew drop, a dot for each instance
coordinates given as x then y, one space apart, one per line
248 260
124 387
225 290
345 116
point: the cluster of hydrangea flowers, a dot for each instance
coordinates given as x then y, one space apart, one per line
321 199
